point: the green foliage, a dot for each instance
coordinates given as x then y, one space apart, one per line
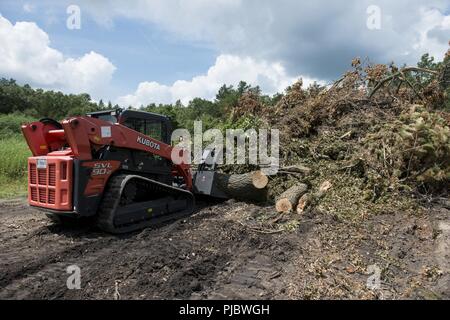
13 165
10 123
11 188
413 149
428 62
39 103
213 114
13 157
245 122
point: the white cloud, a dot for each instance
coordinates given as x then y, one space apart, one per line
270 40
433 30
27 57
228 69
316 38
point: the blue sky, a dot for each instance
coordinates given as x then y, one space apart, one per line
142 50
137 52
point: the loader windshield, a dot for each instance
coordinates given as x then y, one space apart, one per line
150 128
110 115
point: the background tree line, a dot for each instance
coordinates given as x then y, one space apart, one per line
21 103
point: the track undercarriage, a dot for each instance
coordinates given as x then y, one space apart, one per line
133 202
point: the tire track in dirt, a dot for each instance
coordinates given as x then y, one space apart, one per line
22 269
211 256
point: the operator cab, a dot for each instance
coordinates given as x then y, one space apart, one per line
154 125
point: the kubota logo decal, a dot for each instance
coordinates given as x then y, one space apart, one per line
148 143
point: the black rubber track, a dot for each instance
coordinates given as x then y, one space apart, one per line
111 201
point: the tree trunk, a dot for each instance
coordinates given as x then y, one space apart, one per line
249 186
287 201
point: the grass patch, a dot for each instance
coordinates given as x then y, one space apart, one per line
10 124
13 188
14 152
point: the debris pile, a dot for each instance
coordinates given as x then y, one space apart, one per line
380 136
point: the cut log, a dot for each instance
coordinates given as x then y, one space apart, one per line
303 202
249 186
259 179
311 199
287 201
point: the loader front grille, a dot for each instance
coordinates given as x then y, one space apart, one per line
50 182
52 175
32 173
34 194
42 177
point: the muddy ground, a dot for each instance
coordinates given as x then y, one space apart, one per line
216 254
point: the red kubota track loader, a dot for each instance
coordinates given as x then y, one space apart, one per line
115 165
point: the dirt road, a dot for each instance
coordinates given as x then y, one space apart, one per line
215 254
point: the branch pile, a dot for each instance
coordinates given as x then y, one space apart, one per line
373 134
